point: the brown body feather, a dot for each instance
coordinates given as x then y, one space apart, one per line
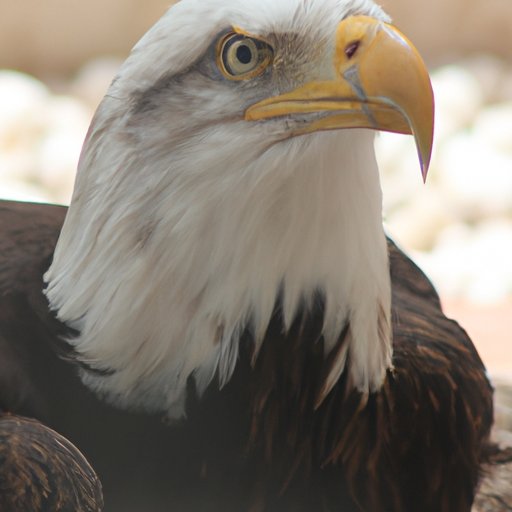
262 443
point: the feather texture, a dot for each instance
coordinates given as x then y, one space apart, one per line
181 235
259 443
42 471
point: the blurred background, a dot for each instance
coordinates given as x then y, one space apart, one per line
57 58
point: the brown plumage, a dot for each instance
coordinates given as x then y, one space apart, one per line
43 471
422 435
260 443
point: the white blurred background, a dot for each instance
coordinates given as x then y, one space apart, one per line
57 58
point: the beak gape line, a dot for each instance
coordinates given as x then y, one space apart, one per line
380 82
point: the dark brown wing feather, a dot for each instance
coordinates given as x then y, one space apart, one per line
28 234
417 445
41 471
259 444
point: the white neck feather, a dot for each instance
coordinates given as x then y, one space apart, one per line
160 277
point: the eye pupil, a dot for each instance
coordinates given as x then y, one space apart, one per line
244 54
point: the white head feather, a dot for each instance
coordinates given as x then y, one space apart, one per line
186 220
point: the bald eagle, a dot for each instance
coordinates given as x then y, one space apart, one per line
222 323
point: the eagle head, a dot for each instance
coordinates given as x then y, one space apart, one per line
228 171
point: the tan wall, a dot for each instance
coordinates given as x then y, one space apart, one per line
57 36
444 30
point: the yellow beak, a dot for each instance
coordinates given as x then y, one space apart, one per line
379 82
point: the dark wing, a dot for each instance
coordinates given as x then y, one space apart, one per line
416 445
40 470
435 412
43 471
28 234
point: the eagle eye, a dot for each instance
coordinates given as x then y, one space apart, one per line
241 57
